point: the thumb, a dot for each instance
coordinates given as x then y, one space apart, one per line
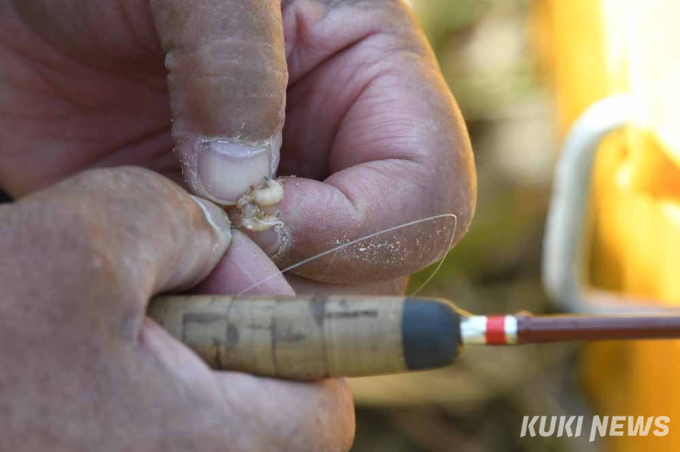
227 79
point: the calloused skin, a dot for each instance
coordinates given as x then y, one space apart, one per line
371 131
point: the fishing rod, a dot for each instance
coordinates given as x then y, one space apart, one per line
314 337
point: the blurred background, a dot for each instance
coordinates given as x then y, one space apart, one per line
522 71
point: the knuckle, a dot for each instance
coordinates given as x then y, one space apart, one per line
90 222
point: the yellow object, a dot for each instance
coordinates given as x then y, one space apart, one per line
593 49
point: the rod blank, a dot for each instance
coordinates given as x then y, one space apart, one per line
541 329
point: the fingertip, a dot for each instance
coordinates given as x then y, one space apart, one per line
217 219
320 414
272 241
352 231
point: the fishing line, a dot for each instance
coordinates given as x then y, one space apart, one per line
441 261
361 239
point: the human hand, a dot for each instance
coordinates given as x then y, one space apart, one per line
83 368
371 129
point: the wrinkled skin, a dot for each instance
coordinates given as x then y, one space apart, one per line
83 369
371 131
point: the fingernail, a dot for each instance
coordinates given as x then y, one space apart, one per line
270 241
217 218
226 170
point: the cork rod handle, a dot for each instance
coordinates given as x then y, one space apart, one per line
310 338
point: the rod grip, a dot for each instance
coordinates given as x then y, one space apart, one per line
313 337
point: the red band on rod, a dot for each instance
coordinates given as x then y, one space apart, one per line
495 330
